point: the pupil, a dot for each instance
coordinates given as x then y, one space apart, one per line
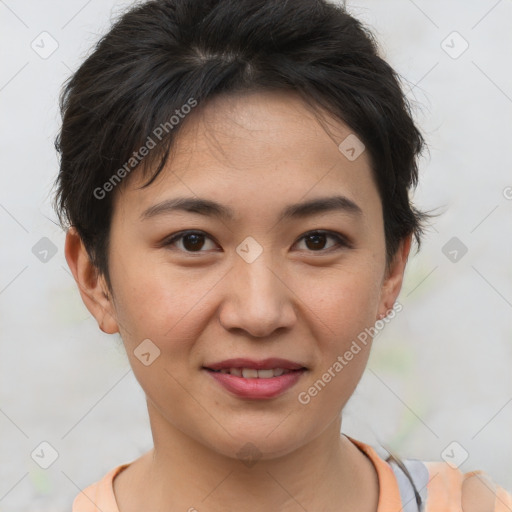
195 242
315 238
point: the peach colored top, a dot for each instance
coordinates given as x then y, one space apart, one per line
438 484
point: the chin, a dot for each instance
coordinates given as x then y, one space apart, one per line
265 440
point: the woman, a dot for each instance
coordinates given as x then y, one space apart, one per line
235 175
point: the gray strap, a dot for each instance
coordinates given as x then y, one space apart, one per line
420 476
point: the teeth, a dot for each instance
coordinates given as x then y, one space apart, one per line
265 374
251 373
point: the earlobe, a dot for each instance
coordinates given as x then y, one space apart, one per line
91 284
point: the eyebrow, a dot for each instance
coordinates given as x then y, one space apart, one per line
210 208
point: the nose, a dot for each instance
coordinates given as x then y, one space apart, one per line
258 299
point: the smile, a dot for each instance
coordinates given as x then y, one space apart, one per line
252 373
255 380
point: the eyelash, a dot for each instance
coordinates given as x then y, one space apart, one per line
341 241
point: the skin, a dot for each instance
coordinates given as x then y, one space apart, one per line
298 300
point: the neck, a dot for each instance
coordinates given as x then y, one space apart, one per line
329 473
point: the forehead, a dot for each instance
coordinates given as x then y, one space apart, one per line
257 148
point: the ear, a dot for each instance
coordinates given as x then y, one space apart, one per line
92 286
392 282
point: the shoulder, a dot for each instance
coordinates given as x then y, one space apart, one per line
413 485
472 491
99 496
446 488
479 492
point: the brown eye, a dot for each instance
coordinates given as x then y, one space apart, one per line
316 241
195 241
191 241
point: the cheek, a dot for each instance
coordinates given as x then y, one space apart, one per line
343 308
161 303
344 302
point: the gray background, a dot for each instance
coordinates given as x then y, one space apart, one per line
439 373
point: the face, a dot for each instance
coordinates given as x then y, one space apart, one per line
239 284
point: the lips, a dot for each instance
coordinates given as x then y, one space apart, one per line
252 373
247 378
265 364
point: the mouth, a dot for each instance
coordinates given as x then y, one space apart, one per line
252 373
253 379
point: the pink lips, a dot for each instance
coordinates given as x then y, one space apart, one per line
256 388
